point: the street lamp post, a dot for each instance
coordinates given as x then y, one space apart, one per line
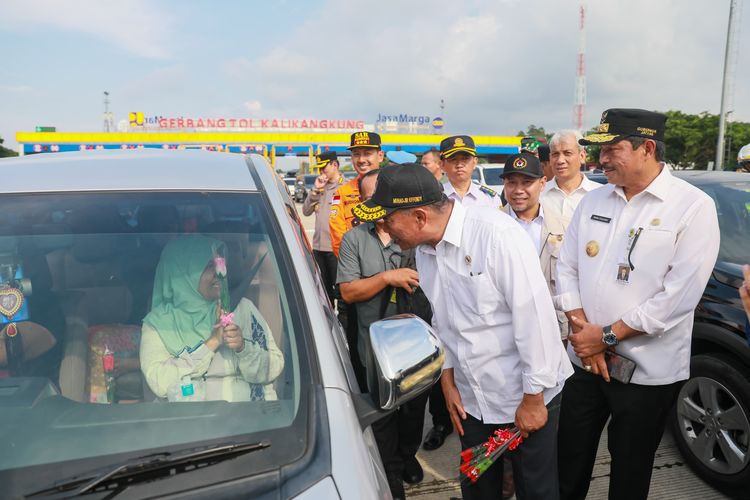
719 164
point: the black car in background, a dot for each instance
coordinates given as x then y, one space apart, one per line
711 419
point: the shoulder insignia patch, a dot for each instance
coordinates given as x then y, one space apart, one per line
489 192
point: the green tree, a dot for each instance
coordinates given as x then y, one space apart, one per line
534 131
5 151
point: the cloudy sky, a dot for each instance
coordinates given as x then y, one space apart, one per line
498 64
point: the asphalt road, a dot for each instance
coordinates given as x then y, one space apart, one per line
672 479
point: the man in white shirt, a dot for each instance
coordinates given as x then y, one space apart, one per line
636 258
565 191
431 161
505 363
524 182
459 159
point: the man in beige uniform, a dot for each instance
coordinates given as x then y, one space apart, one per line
319 201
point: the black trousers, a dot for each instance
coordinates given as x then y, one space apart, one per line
399 434
637 416
438 409
328 264
534 461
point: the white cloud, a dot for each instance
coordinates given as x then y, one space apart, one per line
499 65
253 107
137 26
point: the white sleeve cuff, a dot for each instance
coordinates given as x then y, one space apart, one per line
568 301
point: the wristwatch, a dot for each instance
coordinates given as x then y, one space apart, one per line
608 336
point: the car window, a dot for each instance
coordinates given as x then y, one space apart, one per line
119 296
476 175
493 176
732 201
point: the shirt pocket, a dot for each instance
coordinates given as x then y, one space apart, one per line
653 252
474 297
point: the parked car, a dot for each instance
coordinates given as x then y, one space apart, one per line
290 184
492 175
711 420
81 236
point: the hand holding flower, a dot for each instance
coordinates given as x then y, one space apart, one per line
232 337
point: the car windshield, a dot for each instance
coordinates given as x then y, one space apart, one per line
117 299
310 180
733 206
493 176
476 176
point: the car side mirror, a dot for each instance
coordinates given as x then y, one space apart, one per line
408 359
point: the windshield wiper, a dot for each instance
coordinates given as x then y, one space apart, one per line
152 466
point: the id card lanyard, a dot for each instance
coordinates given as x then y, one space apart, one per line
625 265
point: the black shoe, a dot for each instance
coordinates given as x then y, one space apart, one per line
413 472
397 487
436 437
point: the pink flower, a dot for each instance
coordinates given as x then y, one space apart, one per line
221 266
226 319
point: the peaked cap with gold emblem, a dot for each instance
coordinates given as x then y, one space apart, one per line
618 123
457 144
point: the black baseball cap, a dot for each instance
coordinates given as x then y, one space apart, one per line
399 186
325 158
523 163
543 152
457 144
364 139
618 123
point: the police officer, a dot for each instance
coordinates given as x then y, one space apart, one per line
319 201
636 258
459 159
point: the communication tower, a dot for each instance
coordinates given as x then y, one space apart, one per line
579 109
109 121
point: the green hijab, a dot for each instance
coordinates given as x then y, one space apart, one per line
179 313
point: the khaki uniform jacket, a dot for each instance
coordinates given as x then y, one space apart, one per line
320 203
553 231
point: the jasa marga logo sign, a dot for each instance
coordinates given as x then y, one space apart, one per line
404 119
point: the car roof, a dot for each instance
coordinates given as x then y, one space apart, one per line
700 177
128 170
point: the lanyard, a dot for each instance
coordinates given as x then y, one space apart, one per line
633 237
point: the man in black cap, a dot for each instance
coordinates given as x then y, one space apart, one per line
635 261
459 159
370 273
504 363
319 201
523 185
366 156
545 161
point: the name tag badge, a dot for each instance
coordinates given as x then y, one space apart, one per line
601 218
623 274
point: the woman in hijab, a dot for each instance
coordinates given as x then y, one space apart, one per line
183 341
